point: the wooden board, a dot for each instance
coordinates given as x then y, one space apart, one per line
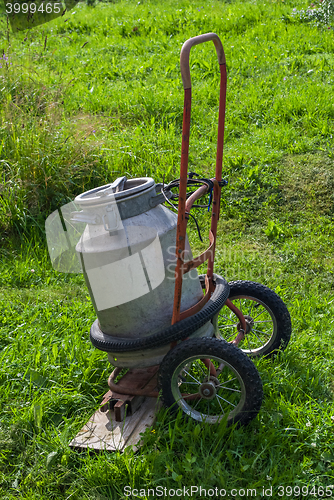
102 432
121 418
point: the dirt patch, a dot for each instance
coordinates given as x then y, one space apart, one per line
308 183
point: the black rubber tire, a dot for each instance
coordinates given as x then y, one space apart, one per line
272 306
179 331
236 364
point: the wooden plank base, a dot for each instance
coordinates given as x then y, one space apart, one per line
121 418
102 432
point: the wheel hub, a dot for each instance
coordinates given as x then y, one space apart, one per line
207 390
249 324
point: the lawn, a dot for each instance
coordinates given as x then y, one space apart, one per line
97 94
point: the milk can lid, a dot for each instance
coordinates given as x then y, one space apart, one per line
118 190
65 226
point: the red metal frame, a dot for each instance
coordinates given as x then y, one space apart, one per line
184 204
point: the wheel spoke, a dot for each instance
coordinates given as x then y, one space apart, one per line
228 381
260 331
264 310
225 400
227 388
229 318
199 383
199 399
265 321
248 343
221 406
229 337
258 338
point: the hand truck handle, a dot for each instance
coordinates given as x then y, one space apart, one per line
182 210
185 51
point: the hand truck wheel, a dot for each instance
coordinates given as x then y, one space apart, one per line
268 323
208 380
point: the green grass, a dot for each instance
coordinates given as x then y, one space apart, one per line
74 116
